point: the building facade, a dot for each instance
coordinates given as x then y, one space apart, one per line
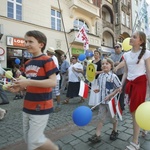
106 22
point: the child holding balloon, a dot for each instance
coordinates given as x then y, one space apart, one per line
40 73
109 84
136 73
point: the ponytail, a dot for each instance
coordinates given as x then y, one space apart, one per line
142 52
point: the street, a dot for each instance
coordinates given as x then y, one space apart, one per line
64 132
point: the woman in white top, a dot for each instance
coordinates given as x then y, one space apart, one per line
136 74
73 80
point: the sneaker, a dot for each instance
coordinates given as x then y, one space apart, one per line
133 146
21 96
57 109
114 135
59 148
16 97
95 139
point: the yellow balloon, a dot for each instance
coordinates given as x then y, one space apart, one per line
125 44
142 115
22 77
5 86
90 72
8 74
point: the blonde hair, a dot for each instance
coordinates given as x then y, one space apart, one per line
109 60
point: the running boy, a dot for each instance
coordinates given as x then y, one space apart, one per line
41 73
109 84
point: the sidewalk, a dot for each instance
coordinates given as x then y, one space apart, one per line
64 132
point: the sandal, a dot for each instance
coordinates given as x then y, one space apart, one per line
65 101
144 133
133 146
95 139
114 135
82 100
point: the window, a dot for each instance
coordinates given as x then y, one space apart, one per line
110 1
79 23
124 2
117 18
123 18
14 9
128 20
136 2
55 20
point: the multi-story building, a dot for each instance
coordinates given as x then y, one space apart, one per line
140 18
106 22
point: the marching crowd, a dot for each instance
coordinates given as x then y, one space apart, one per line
45 81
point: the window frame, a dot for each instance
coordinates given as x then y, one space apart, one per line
79 25
14 14
57 20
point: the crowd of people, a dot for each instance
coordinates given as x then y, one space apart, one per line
115 74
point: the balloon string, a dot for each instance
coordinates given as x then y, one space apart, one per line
101 102
8 74
96 105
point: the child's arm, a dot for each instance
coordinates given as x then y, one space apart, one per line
108 97
23 83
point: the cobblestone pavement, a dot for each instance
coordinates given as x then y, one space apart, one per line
64 132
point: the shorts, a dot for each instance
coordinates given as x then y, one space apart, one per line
104 113
33 130
56 91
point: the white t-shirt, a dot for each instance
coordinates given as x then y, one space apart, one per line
72 75
57 65
135 70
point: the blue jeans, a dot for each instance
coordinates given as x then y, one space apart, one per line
3 95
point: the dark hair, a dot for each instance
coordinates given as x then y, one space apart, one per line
97 51
16 66
142 37
39 36
74 57
64 55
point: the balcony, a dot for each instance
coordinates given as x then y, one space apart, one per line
93 39
83 7
108 25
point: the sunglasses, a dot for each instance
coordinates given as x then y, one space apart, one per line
117 47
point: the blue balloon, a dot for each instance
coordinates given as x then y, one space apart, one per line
89 53
82 115
82 57
17 61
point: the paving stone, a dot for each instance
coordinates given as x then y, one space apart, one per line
82 146
68 139
64 132
79 133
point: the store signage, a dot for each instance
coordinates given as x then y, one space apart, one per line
77 51
2 51
16 42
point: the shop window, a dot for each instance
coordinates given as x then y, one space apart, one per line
13 53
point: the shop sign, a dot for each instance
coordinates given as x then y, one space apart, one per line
77 51
16 42
2 51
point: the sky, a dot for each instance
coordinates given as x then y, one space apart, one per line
148 1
